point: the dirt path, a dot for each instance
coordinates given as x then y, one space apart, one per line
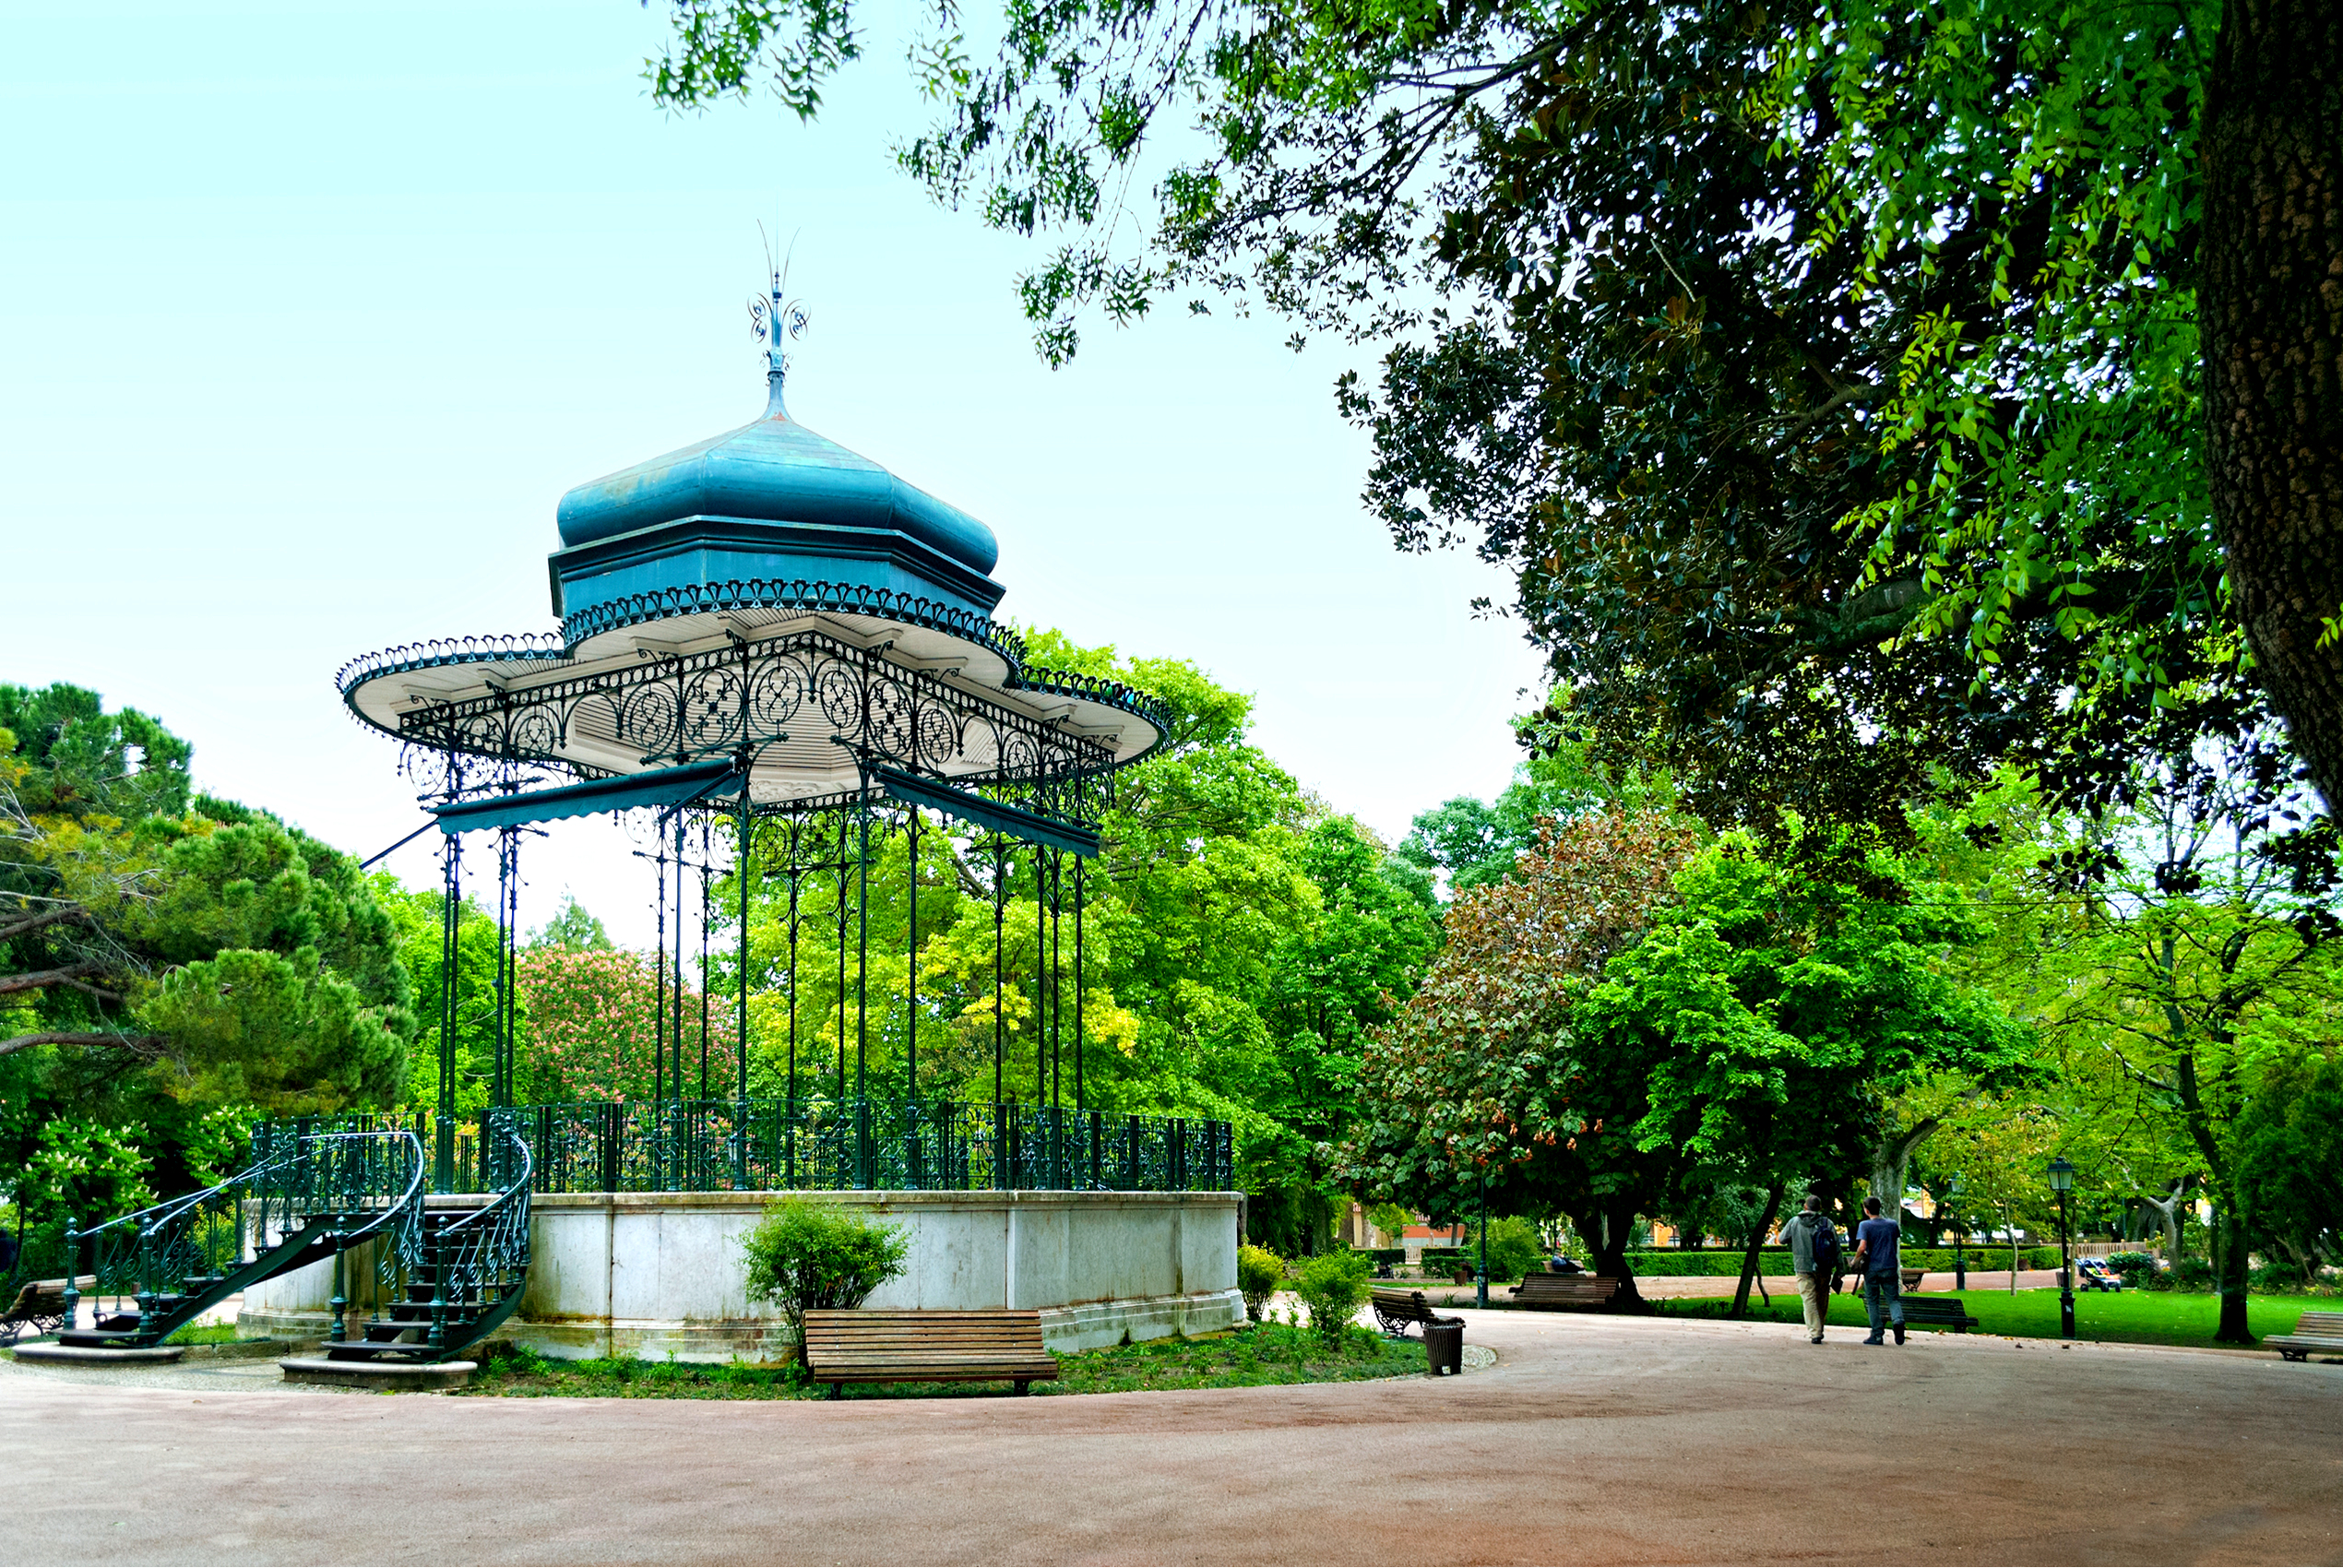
1593 1439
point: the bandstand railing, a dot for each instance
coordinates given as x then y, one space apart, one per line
817 1145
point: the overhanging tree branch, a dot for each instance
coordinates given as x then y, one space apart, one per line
142 1045
40 980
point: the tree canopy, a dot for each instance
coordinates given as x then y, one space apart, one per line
171 964
1830 376
1630 1025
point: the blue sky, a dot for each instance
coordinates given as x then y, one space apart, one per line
310 313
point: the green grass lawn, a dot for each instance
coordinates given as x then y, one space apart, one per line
205 1333
2134 1317
1263 1353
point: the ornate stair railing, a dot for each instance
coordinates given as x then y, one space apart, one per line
459 1273
316 1195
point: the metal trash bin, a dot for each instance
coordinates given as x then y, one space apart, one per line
1443 1347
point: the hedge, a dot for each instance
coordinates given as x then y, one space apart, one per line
1684 1263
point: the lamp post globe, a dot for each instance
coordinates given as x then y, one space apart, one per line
2061 1181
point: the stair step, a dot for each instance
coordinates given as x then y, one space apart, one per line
356 1351
379 1332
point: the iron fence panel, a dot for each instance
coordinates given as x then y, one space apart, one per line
814 1144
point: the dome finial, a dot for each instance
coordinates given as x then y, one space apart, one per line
770 321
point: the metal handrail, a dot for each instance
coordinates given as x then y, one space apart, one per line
487 1249
204 1234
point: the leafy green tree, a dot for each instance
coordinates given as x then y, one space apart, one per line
2173 950
169 967
1776 1012
81 760
574 928
415 918
1472 843
1830 375
2289 1161
1332 982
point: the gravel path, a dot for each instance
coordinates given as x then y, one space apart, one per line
1592 1439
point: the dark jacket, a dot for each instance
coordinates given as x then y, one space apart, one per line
1800 1232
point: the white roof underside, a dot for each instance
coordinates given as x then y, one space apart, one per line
808 763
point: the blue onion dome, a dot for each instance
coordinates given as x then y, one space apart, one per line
774 471
768 569
774 503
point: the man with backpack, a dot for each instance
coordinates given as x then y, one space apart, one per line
1877 1240
1813 1258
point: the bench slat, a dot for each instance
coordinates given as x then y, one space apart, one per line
943 1346
1548 1290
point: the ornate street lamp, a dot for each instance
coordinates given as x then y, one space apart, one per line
2061 1181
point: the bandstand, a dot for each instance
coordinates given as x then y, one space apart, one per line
776 664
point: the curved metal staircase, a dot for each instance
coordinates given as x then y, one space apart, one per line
460 1273
318 1197
448 1273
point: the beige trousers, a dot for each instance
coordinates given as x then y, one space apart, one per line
1815 1301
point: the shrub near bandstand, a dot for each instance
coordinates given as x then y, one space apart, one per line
807 1256
1259 1272
1334 1287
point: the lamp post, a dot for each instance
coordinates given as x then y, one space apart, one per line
1960 1261
2061 1181
1480 1275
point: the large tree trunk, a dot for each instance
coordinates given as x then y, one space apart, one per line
1891 1162
1757 1240
2168 1212
2270 308
2232 1266
1606 1228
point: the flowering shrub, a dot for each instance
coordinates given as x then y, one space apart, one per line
590 1030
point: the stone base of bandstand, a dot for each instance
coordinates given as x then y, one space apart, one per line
654 1274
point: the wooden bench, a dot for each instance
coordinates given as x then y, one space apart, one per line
41 1307
926 1346
1910 1277
1937 1311
2315 1333
1565 1292
1397 1308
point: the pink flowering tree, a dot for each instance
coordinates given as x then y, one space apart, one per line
592 1027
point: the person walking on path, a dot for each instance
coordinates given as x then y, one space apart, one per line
1876 1240
1813 1258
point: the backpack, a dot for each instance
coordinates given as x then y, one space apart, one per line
1825 1237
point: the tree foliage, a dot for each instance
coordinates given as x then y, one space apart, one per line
1632 1026
2178 954
1474 1085
1829 377
592 1027
171 964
